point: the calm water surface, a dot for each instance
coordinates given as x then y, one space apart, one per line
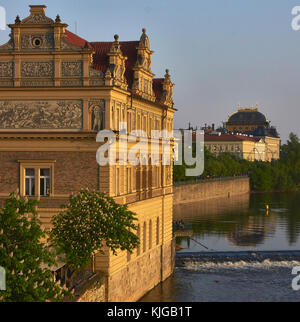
235 226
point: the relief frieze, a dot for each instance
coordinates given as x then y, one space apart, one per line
71 69
51 114
37 69
6 69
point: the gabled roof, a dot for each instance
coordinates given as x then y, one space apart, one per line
100 59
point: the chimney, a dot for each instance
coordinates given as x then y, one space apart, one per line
38 9
213 126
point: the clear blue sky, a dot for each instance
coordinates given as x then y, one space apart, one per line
219 52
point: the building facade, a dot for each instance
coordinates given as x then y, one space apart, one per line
252 122
57 91
242 146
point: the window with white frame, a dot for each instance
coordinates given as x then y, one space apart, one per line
45 182
29 182
37 178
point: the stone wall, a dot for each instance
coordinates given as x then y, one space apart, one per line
95 294
211 189
135 279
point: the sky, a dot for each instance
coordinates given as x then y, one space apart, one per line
220 53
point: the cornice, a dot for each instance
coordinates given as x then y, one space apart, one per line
17 135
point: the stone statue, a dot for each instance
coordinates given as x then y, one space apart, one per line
98 119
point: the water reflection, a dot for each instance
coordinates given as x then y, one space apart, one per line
242 222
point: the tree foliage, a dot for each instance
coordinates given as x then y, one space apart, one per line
25 256
282 174
90 221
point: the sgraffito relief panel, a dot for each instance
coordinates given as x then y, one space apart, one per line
37 41
51 114
97 77
71 68
37 69
6 69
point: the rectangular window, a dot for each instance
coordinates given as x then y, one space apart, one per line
29 182
37 178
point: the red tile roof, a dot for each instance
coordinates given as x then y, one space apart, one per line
100 58
228 137
75 40
128 49
158 87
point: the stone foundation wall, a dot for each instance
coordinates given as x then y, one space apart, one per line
134 280
142 274
94 294
211 189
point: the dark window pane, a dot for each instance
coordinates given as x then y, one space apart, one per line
45 172
27 189
30 172
42 186
48 187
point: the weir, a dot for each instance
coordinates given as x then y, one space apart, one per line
241 257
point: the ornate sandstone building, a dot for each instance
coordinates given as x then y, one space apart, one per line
57 91
253 123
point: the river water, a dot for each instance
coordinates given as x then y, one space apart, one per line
234 249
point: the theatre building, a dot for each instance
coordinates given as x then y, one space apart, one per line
57 91
251 122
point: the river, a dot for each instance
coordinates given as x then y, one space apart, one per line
235 249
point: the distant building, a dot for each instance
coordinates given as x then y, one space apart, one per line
242 146
252 122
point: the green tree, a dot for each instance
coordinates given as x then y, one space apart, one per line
88 221
24 256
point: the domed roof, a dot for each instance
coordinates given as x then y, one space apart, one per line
247 116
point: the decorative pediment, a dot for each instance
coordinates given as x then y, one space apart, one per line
37 16
144 53
143 76
167 94
117 64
